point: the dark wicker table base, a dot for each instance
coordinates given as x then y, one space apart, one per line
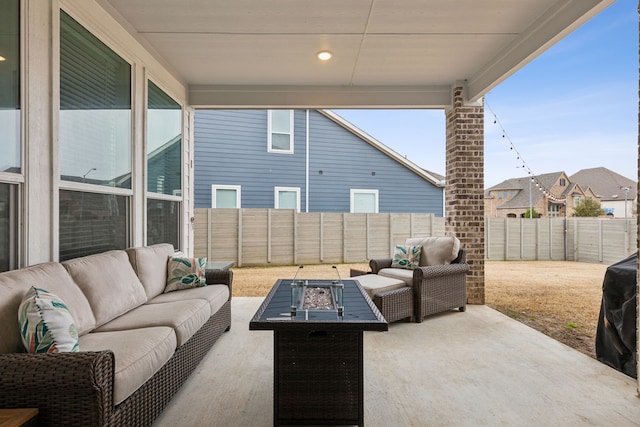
318 377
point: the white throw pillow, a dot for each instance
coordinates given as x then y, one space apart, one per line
185 273
46 326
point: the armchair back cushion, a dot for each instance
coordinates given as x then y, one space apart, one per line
436 250
150 264
109 283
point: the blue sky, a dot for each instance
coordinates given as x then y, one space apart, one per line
574 107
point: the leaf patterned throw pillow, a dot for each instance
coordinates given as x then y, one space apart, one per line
185 273
46 325
406 256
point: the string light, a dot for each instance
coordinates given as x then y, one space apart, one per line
547 192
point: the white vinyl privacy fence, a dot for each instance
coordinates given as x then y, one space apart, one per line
252 237
255 237
598 240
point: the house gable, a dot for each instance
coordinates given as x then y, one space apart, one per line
231 149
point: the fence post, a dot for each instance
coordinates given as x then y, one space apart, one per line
269 236
521 238
600 243
550 239
576 250
537 256
239 237
506 239
321 237
209 233
367 236
345 243
431 224
627 250
295 237
390 243
411 231
487 238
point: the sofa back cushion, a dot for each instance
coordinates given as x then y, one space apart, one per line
436 250
109 283
52 276
150 264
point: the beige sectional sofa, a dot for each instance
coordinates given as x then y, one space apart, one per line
137 344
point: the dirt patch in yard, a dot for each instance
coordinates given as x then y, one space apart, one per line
558 298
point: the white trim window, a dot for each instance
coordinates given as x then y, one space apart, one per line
280 131
363 201
287 198
225 196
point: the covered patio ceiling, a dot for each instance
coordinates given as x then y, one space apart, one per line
386 53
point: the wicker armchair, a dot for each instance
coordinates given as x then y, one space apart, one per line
436 288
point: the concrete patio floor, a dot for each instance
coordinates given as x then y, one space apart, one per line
478 368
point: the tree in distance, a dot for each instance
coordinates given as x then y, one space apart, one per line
588 207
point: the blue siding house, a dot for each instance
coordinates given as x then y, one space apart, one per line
309 160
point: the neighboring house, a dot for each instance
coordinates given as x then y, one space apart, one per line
308 160
617 194
547 194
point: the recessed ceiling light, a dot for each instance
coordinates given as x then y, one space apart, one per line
324 55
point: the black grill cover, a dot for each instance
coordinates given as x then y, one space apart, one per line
616 333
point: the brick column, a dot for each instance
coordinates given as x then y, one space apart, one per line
464 189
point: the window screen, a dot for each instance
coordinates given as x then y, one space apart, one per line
92 223
163 222
95 109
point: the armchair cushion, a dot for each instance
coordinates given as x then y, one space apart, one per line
374 284
406 256
398 273
436 250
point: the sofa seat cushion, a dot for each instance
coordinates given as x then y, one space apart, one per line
215 295
139 354
184 317
398 273
150 264
51 276
375 284
109 283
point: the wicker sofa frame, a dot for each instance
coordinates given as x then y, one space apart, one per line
77 388
436 288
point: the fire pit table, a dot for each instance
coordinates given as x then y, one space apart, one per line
318 328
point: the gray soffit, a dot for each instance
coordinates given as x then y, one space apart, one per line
386 53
